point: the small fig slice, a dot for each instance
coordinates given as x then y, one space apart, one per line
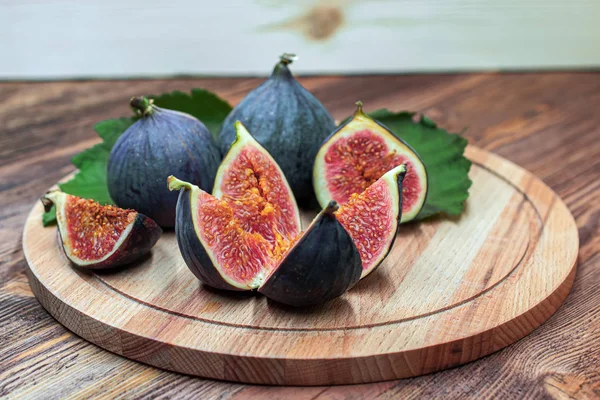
372 218
304 270
358 153
98 237
322 265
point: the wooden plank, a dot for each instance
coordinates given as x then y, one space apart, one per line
110 38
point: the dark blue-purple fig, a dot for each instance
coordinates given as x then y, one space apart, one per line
98 237
162 142
288 121
321 266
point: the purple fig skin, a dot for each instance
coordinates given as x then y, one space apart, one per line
143 236
321 266
162 142
194 254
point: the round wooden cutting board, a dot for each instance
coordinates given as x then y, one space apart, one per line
451 291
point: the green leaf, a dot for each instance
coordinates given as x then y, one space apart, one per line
202 104
111 129
90 181
443 156
49 218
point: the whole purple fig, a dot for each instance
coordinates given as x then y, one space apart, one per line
161 143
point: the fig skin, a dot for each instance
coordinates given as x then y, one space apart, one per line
139 241
289 122
162 142
321 266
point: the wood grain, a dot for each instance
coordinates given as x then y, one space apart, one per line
331 36
547 123
468 288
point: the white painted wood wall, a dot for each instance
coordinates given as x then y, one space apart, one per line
110 38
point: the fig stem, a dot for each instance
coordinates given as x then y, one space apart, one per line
177 184
401 171
331 208
142 105
359 108
49 199
47 203
288 58
397 172
241 133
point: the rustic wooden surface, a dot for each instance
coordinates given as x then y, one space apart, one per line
547 123
326 33
450 291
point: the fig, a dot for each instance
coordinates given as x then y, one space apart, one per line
360 152
288 121
322 265
98 237
247 235
162 142
254 186
308 269
372 218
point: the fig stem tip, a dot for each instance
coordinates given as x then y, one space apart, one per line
176 184
332 207
288 58
49 198
141 105
47 203
359 107
401 171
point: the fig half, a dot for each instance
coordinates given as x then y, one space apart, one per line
360 152
256 189
98 237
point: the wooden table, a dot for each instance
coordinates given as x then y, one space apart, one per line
548 123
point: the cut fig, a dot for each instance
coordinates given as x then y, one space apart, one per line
301 270
322 265
372 218
256 189
360 152
248 234
98 237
